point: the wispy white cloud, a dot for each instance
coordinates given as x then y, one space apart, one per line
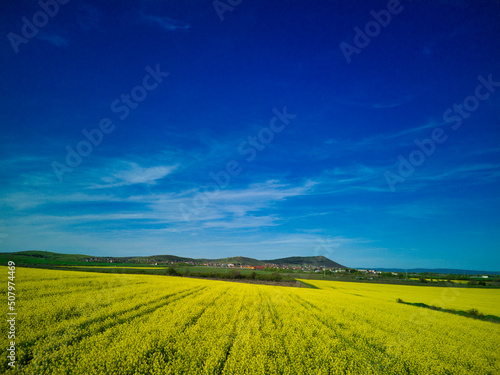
472 172
130 173
248 221
55 40
386 104
314 239
351 178
482 151
442 38
115 192
237 210
25 200
269 191
247 207
165 23
370 178
379 141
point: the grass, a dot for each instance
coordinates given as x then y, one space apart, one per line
471 313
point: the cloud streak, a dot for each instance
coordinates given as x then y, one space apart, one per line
54 39
165 23
131 174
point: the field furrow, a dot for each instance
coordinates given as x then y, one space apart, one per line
145 324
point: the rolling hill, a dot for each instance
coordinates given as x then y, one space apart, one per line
320 261
45 257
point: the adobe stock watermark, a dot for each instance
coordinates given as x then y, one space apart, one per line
426 147
121 107
325 246
223 6
30 28
248 148
372 29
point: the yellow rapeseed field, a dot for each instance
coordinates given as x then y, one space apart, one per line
73 322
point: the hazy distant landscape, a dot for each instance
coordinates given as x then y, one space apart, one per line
244 268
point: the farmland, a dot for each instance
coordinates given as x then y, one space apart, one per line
74 322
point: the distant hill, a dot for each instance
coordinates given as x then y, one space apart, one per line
38 256
46 257
290 261
306 261
440 270
242 260
154 258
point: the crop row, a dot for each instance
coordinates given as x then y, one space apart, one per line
87 323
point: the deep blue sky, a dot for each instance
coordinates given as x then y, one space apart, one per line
332 178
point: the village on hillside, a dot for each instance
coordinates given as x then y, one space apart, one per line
265 266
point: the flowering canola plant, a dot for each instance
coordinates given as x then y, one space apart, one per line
73 322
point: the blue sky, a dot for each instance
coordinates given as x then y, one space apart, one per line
367 132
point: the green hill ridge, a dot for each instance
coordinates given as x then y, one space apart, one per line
46 257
